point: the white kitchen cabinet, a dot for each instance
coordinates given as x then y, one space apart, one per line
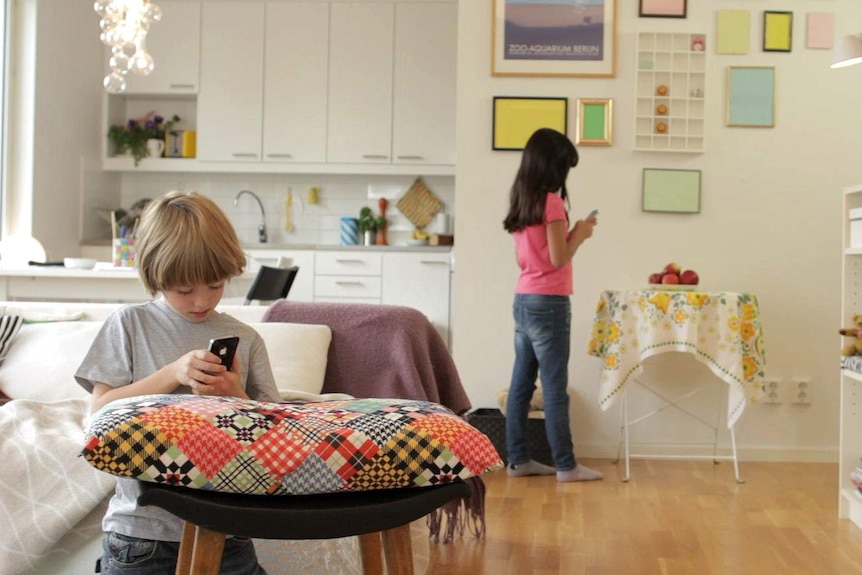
264 82
230 114
347 276
175 45
423 113
360 83
303 285
295 82
850 423
421 281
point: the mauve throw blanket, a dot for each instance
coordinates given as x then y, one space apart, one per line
391 351
380 351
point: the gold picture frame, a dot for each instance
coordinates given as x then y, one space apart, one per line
572 39
595 122
515 119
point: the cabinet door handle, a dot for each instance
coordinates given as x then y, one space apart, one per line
375 157
347 283
244 155
341 261
433 263
409 157
182 86
279 155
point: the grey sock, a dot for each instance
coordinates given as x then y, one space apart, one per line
579 473
529 468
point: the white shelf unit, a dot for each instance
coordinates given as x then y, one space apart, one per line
670 60
850 434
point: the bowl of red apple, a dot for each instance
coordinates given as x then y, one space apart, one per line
673 277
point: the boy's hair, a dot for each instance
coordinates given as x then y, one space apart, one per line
184 239
545 163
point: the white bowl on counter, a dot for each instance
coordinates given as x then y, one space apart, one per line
79 263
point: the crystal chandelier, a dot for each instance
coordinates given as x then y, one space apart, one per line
124 27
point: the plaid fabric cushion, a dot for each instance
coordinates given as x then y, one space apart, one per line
242 446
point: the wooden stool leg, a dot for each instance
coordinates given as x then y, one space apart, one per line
398 550
187 546
203 556
371 550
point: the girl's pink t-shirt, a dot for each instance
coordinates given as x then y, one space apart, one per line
538 274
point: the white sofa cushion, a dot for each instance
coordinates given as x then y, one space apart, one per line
297 353
42 359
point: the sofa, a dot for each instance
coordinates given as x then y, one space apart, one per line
53 501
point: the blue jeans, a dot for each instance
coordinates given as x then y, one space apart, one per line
124 555
542 332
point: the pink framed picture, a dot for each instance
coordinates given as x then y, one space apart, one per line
662 8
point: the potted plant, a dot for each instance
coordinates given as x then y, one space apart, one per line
132 137
369 224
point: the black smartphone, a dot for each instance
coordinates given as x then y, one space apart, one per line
225 348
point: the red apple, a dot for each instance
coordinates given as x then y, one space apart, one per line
672 268
655 278
689 277
670 278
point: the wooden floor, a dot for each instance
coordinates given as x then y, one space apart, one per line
673 517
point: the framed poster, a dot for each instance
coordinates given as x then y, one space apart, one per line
750 97
574 38
662 8
515 119
777 31
675 191
595 122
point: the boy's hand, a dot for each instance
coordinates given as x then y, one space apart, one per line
202 371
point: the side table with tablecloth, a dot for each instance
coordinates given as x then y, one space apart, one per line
721 329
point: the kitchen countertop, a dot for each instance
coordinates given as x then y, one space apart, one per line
336 247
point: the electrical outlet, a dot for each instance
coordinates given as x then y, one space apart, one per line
802 390
772 390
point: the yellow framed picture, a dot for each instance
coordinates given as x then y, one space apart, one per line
777 31
595 122
515 119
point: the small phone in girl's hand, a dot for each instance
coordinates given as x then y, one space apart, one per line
593 215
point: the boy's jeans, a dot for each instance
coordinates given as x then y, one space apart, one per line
542 328
125 555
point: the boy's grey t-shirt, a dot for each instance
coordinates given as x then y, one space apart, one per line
138 340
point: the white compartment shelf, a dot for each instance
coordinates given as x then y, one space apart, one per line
670 90
850 427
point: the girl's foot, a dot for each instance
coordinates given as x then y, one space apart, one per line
579 473
529 468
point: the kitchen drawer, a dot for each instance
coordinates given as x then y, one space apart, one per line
348 264
346 287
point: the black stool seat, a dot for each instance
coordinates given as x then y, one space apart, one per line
318 516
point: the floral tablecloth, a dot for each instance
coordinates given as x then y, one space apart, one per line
721 329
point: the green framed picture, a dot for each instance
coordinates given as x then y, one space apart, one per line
673 191
595 122
515 119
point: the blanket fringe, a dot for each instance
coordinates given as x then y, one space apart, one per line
460 514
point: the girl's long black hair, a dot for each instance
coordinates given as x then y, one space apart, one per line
545 164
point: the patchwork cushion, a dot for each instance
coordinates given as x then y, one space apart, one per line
235 445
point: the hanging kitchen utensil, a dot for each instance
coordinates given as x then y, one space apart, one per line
419 204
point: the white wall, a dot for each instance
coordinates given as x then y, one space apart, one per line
770 222
66 122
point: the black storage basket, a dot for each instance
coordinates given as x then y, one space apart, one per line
492 423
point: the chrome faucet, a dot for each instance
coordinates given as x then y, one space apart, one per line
261 229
